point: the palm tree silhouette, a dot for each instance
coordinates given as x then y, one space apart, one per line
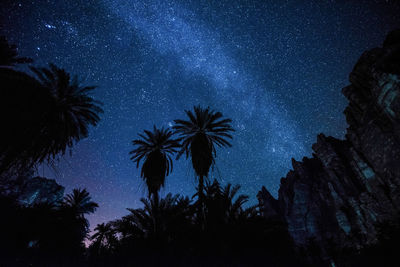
204 130
104 237
163 218
23 105
223 205
75 206
49 114
71 112
8 54
156 149
80 202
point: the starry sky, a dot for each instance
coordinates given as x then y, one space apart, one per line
275 67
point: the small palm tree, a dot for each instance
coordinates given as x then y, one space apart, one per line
156 149
161 219
204 130
104 237
224 207
234 206
70 113
80 202
75 206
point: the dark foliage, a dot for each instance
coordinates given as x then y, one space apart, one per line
384 252
8 54
44 234
44 116
166 233
47 114
70 113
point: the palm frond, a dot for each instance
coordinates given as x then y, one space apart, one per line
71 112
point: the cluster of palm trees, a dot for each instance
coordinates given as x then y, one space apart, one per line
175 214
46 112
169 231
51 230
215 222
43 114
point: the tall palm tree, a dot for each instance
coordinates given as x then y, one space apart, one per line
204 130
70 113
156 149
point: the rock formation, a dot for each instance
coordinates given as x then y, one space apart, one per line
29 190
339 195
39 189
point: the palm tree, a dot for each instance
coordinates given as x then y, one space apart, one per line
104 237
14 84
204 130
70 113
235 206
23 105
8 54
44 115
156 149
162 219
73 210
223 205
126 229
80 202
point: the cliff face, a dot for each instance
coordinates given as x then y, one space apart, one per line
337 196
30 190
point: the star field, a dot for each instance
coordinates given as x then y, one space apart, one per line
275 67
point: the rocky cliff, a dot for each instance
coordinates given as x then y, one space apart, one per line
337 196
39 190
29 190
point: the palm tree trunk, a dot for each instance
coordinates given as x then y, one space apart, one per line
201 202
156 199
155 213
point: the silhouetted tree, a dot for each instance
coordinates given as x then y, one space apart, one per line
224 207
80 202
204 130
71 112
104 238
44 117
23 106
156 149
161 219
231 205
74 207
127 229
8 54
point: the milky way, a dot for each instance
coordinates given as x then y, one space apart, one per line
175 32
275 67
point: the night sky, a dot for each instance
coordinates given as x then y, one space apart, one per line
275 67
